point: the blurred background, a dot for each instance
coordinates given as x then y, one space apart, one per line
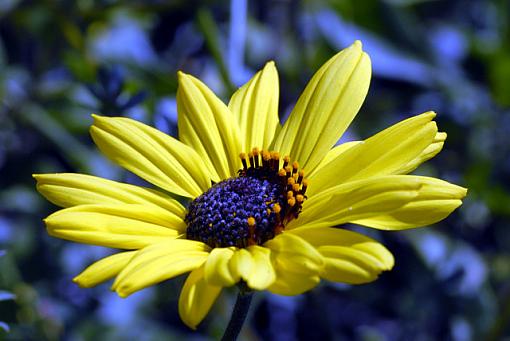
62 60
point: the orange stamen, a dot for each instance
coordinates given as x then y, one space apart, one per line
291 201
286 160
243 160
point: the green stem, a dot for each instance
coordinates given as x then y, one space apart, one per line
238 314
211 32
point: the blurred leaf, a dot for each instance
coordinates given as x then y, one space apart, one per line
211 34
499 72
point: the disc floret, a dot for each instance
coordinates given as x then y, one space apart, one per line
251 208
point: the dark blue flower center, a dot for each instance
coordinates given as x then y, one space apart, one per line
219 217
251 208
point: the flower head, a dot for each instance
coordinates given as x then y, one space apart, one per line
263 201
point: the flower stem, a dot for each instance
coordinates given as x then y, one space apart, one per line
238 314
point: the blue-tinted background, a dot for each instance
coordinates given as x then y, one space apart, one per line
62 60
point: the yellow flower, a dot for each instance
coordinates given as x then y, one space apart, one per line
254 215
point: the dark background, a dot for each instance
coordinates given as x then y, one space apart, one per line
62 60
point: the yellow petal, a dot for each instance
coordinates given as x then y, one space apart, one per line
217 271
361 259
428 153
292 253
253 265
323 237
382 154
333 154
290 284
358 200
326 108
69 189
151 154
241 265
103 269
296 262
436 199
262 274
159 262
117 226
255 105
197 298
206 124
349 257
340 270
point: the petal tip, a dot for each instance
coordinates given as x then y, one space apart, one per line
431 114
270 70
122 294
181 76
270 64
441 136
93 130
190 324
464 192
121 290
78 280
389 262
98 120
96 117
357 44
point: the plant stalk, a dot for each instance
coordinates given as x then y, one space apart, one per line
239 314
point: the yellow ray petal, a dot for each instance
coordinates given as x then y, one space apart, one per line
70 189
291 284
253 265
117 226
296 262
340 270
333 154
323 237
349 257
103 269
241 265
262 274
292 253
151 154
197 298
361 259
326 108
216 270
159 262
436 199
382 154
206 124
428 153
359 199
255 105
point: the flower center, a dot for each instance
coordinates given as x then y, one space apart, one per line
251 208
